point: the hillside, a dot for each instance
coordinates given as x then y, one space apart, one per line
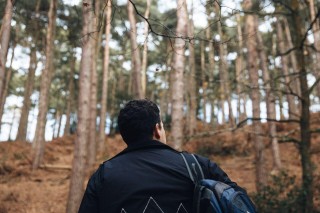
46 190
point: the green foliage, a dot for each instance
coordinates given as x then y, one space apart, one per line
281 196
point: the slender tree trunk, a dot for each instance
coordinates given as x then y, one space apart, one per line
240 72
92 143
135 51
304 146
104 98
270 102
145 51
204 80
5 38
192 115
45 87
316 36
295 83
251 30
6 83
178 65
290 98
23 123
80 150
70 100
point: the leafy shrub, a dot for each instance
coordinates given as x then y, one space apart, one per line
281 196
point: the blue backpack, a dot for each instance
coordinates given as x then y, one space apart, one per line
212 196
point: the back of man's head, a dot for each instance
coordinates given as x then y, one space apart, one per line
137 120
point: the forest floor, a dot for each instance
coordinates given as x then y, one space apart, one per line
46 189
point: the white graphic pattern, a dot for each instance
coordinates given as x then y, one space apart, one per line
181 208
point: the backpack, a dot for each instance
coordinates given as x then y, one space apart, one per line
212 196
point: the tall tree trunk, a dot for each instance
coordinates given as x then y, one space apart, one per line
316 36
305 143
192 115
6 83
45 87
270 102
224 73
204 84
295 83
251 30
80 150
239 72
104 98
145 51
70 101
288 86
135 54
5 38
23 123
29 84
92 143
178 65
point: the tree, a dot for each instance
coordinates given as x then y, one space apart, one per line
105 77
177 75
45 86
4 42
252 64
135 54
79 159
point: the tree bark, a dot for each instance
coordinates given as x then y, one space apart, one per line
178 64
304 146
105 77
135 54
80 150
6 83
45 87
145 51
5 38
70 101
29 84
316 36
92 143
192 115
270 102
204 83
251 30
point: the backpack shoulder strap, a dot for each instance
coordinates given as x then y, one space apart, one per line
193 167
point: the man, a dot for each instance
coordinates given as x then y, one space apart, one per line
148 176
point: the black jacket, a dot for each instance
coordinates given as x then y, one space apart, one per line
149 177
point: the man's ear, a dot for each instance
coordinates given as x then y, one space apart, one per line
157 131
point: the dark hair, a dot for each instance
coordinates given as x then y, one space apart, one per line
136 121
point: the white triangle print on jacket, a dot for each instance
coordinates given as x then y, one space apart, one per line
153 207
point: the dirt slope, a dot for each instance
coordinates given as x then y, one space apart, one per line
46 190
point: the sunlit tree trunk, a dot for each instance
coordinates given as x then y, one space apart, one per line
145 51
70 100
92 143
270 102
80 150
135 54
23 123
252 55
104 97
4 42
192 81
45 87
178 65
